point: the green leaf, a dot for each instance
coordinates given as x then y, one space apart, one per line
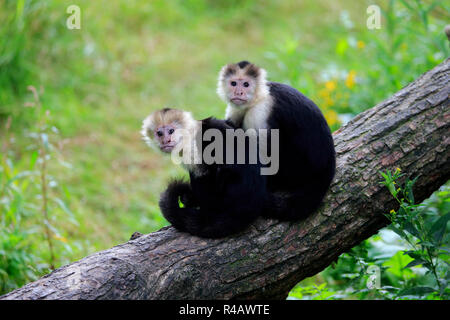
416 291
409 194
437 230
66 210
413 254
407 5
401 211
412 229
341 47
427 244
181 204
415 262
445 249
397 231
34 157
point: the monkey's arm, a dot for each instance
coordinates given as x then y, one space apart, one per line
232 124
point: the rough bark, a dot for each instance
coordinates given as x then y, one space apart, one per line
410 130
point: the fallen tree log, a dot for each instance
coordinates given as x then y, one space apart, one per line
410 130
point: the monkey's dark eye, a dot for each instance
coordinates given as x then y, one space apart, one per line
159 133
171 131
233 83
246 84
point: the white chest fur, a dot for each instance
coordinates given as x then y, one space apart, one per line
251 117
256 117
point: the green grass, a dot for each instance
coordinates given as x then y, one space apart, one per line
133 57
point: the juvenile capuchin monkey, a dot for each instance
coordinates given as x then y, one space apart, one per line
306 148
221 198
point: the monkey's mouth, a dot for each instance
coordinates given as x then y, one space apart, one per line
167 147
238 101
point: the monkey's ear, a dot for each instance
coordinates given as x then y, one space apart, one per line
253 71
148 122
226 71
147 132
230 70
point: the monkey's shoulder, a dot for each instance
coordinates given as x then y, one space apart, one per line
290 102
286 94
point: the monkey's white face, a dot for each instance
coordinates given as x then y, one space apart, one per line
240 89
166 137
168 129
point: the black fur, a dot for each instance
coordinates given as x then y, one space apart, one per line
223 201
243 64
252 71
307 155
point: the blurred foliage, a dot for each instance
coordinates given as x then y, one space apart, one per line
35 219
426 234
75 99
407 260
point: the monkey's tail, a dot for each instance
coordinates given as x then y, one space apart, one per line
197 221
294 205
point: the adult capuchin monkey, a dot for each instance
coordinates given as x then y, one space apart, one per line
306 148
221 198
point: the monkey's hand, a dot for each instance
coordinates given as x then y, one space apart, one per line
232 124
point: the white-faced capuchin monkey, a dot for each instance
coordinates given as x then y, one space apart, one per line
306 149
221 198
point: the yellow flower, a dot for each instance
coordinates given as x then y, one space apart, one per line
63 239
360 44
398 170
330 85
328 102
324 93
350 81
392 211
331 116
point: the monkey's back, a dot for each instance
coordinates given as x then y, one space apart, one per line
307 154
